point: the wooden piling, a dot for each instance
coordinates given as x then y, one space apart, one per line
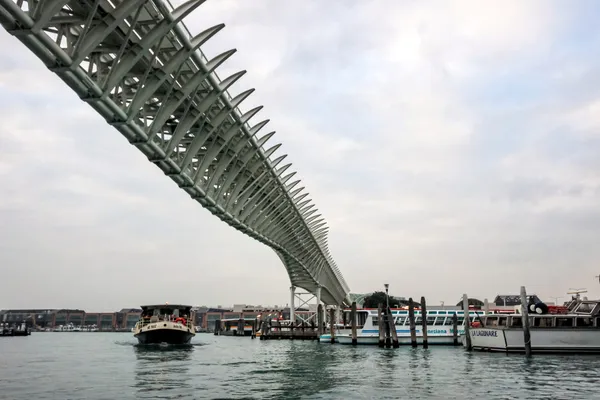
486 307
411 320
467 322
353 322
265 329
217 327
320 320
393 332
332 325
455 328
525 318
388 330
381 326
424 321
240 327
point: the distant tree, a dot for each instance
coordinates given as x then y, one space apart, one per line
376 298
472 302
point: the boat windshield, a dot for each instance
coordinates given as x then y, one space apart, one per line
174 314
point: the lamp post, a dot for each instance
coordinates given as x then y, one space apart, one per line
387 297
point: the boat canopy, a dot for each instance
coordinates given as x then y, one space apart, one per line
165 307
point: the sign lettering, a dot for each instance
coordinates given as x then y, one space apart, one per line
484 333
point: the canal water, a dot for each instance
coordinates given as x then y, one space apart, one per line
111 366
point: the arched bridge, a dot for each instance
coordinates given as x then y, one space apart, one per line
136 64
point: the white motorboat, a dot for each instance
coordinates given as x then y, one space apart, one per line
165 323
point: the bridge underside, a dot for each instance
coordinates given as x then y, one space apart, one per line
136 64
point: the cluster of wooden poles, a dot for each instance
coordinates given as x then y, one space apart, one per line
388 337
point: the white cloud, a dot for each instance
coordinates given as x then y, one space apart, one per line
451 146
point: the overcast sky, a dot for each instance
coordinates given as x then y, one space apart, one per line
452 147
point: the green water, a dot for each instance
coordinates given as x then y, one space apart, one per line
111 366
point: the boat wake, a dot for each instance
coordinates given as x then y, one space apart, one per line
159 346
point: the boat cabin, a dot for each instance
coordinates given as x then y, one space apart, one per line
585 314
369 317
167 312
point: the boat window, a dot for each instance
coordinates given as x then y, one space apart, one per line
583 322
440 320
516 322
417 320
460 320
401 320
491 321
542 322
375 321
503 321
430 319
585 308
564 322
361 318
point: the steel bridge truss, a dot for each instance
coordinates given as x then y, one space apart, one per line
135 63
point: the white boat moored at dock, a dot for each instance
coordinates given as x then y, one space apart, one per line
572 329
439 327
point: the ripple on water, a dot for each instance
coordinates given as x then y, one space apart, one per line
112 366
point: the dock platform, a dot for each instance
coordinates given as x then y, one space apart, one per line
274 330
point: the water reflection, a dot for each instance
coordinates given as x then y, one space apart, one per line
164 369
420 371
306 368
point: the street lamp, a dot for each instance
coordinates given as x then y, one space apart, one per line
387 297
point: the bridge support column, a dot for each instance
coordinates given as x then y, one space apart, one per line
318 295
292 304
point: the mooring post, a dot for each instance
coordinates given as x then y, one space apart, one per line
319 320
411 320
486 307
467 322
392 327
292 303
241 326
265 328
388 331
217 326
525 318
380 325
424 321
455 328
332 325
353 322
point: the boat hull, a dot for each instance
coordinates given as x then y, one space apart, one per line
553 340
402 340
326 338
164 332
